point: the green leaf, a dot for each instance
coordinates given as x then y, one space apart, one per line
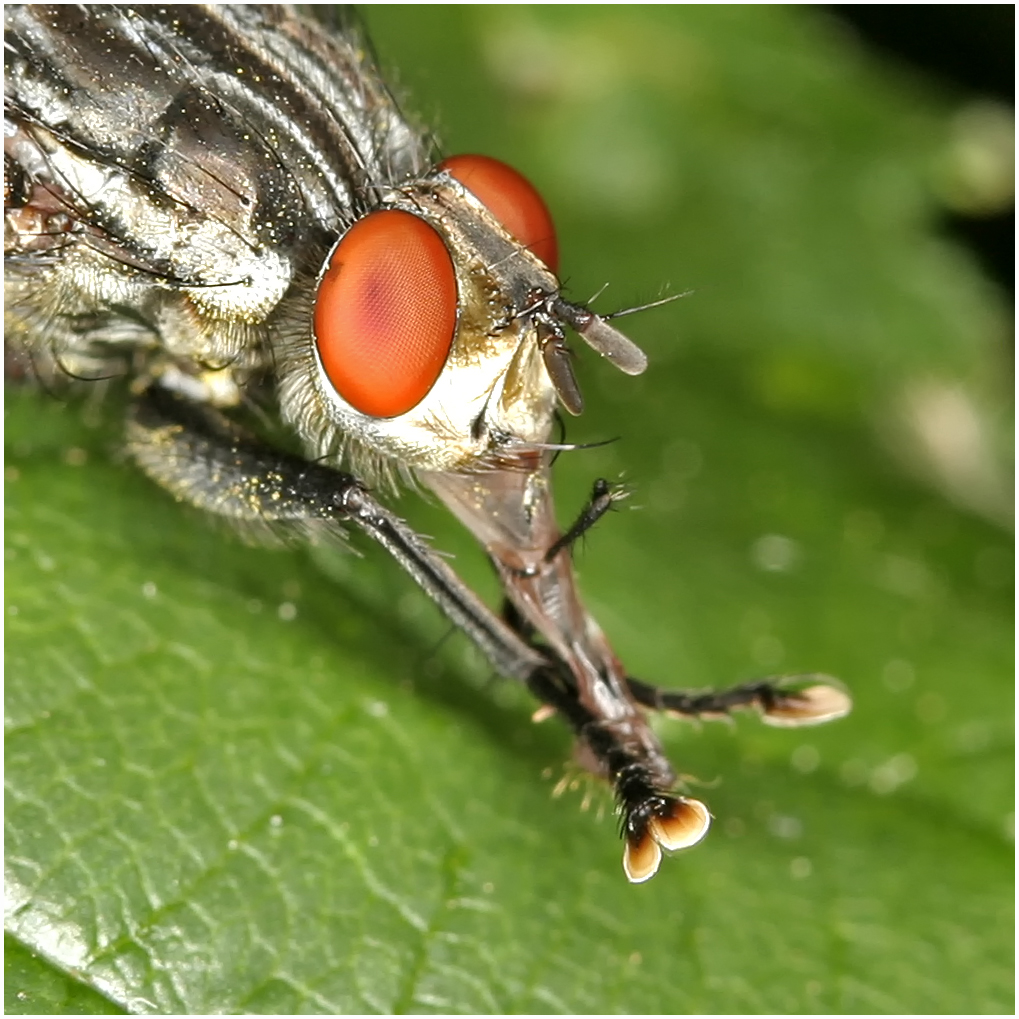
242 780
33 986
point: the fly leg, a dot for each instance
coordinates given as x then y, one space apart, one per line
652 817
785 701
205 459
512 514
606 709
603 497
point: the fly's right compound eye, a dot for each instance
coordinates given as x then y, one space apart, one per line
385 313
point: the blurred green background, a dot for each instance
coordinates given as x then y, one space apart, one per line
252 781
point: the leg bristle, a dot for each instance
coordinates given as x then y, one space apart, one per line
809 705
641 857
683 825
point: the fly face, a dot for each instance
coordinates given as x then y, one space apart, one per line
224 202
423 350
438 336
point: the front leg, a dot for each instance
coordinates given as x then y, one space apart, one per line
205 459
785 701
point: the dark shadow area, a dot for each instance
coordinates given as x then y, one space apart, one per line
970 48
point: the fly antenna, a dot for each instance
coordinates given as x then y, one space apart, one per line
596 332
645 307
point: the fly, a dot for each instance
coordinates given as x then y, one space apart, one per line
225 205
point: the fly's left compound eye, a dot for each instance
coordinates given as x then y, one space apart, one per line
512 199
385 313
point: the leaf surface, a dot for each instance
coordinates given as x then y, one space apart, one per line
242 780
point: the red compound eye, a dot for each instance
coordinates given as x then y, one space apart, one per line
512 199
385 313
